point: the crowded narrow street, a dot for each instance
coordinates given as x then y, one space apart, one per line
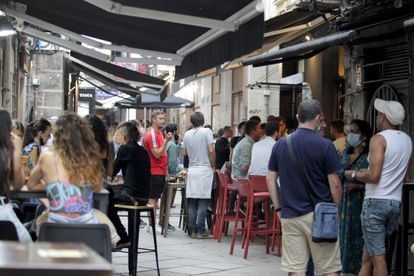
211 137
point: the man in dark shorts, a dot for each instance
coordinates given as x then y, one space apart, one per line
134 162
155 144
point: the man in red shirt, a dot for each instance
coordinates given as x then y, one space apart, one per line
155 144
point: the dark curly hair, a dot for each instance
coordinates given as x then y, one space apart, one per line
75 144
33 129
6 152
99 130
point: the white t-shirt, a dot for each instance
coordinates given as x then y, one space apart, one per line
397 155
196 142
200 173
261 152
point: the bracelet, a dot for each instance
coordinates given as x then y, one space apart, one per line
353 175
278 209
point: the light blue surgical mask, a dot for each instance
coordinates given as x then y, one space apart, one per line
353 139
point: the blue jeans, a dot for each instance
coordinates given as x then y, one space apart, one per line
379 218
197 210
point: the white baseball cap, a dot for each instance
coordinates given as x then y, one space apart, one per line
393 111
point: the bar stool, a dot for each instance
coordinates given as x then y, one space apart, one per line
250 191
171 186
134 215
224 213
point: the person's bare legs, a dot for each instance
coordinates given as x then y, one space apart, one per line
162 206
366 267
298 273
152 202
380 265
332 274
304 274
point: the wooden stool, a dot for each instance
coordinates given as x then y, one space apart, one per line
134 215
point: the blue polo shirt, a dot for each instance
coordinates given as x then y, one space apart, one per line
318 159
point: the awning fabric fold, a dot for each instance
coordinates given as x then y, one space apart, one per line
303 49
123 73
127 89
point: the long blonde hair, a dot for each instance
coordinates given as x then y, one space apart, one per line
75 144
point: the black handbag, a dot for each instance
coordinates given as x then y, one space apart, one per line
325 217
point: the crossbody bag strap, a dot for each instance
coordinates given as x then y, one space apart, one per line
294 159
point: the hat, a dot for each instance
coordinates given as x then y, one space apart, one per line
393 111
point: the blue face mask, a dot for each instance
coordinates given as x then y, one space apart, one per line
353 139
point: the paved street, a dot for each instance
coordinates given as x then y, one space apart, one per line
180 255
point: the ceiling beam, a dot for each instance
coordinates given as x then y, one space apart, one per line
241 16
64 43
110 76
142 52
117 8
169 62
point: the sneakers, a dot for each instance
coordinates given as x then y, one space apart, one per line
204 236
170 227
142 224
122 243
194 235
158 229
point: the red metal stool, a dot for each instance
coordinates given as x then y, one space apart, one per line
224 212
252 191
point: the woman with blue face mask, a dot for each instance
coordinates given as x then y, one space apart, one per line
354 157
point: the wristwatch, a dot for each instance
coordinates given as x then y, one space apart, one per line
353 175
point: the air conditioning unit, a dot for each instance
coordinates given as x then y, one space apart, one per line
36 81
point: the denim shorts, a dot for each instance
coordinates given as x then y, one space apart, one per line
379 218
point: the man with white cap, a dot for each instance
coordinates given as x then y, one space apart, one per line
389 155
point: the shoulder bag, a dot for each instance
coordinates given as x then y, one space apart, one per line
325 217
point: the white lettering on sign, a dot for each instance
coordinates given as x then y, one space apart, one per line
86 95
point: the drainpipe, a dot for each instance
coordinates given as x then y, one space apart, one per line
28 81
266 94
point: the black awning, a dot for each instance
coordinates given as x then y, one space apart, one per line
126 103
246 39
86 19
302 49
120 72
153 101
127 89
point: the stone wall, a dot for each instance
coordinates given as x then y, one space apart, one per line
355 102
47 97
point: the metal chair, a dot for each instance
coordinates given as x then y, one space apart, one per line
134 215
253 191
8 231
224 212
96 236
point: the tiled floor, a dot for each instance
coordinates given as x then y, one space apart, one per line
180 255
